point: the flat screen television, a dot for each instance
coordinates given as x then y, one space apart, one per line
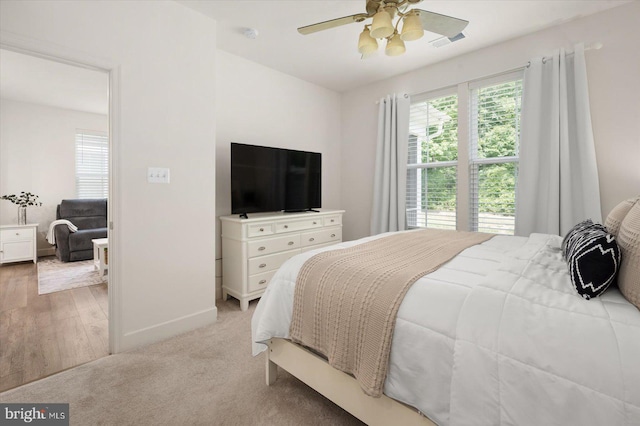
266 179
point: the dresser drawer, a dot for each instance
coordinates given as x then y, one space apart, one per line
321 236
335 219
273 245
298 225
16 234
259 281
259 229
269 263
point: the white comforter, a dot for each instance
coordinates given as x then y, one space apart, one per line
498 336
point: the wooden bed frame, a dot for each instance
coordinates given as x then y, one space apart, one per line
339 387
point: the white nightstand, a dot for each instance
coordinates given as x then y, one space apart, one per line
18 243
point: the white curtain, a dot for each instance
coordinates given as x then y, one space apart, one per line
389 188
557 177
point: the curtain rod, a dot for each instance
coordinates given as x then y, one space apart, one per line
593 46
404 95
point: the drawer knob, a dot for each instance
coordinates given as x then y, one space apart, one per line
262 265
261 229
17 233
290 243
315 223
332 220
311 239
286 226
262 281
261 248
333 235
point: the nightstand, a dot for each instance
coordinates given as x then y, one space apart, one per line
18 243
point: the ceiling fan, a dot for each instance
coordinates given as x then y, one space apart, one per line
414 23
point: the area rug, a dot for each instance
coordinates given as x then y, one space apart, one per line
54 275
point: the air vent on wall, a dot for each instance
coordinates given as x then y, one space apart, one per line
443 41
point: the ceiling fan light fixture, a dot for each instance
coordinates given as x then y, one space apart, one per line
395 46
412 27
381 27
366 43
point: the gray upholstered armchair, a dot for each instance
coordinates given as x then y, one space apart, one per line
90 216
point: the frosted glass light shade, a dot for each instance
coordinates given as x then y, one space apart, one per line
395 46
381 26
411 28
366 43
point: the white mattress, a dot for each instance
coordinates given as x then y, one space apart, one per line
498 336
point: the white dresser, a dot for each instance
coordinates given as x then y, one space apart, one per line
254 248
18 243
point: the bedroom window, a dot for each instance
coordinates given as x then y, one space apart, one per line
493 154
92 164
462 164
433 162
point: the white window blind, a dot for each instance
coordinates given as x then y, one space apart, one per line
493 152
432 163
92 164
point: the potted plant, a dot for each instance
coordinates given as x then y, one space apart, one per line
23 200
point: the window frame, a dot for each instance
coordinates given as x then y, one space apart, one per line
464 160
102 174
474 160
424 97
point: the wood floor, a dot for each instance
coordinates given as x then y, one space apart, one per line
42 335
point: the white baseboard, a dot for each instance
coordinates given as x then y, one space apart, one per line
155 333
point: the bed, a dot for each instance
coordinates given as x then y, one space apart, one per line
495 336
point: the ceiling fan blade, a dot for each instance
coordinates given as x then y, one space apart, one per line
321 26
441 24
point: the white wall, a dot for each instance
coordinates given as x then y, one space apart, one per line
614 89
260 106
164 237
37 154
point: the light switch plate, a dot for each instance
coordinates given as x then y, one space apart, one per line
158 175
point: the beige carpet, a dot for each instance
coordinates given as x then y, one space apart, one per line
205 377
54 275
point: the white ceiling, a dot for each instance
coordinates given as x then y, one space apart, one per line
330 59
27 78
327 58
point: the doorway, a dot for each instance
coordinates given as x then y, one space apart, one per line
55 144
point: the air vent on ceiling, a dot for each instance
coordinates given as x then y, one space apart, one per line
443 41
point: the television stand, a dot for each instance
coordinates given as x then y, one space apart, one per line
253 249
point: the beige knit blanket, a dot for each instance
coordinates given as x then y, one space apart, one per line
346 300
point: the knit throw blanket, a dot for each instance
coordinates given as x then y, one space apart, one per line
346 300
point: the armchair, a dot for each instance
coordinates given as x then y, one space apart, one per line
90 216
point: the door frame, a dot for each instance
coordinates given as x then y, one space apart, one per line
57 53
